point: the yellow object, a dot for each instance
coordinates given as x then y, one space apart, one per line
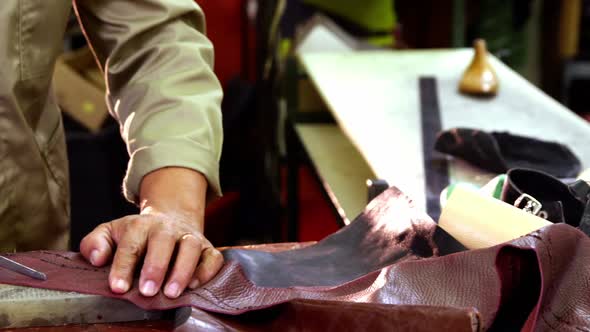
373 15
569 28
479 221
88 107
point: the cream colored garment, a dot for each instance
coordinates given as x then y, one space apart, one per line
161 89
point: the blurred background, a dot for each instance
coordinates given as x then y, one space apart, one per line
272 191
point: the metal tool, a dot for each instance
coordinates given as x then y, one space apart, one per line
22 269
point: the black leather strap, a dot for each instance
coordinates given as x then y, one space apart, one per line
560 202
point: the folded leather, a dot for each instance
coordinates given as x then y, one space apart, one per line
537 282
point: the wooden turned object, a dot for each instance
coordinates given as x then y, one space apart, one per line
479 79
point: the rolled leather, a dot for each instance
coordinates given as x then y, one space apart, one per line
387 258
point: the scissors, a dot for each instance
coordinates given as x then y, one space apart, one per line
22 269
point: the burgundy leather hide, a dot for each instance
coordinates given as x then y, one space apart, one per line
321 316
385 258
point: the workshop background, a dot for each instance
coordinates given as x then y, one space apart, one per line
272 192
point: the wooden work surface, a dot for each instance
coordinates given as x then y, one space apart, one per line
374 97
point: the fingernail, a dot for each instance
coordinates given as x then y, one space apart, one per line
94 256
194 284
149 288
172 290
119 286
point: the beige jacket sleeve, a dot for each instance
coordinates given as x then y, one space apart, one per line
160 84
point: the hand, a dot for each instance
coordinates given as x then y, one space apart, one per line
173 221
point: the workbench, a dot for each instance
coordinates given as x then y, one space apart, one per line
374 98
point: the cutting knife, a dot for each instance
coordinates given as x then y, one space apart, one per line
22 269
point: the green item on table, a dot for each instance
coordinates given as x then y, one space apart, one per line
373 15
493 188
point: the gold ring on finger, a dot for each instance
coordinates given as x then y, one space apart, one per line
186 236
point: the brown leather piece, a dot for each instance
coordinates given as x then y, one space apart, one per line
538 281
272 247
322 316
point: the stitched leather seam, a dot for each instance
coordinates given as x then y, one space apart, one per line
56 255
66 265
69 266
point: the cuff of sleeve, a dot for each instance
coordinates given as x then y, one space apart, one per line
171 153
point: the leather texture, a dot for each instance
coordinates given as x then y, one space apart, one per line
321 316
534 283
500 151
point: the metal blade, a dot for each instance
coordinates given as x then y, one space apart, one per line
22 269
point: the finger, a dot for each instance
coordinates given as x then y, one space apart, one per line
189 251
97 246
129 251
159 251
211 263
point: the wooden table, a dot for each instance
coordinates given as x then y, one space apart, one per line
374 97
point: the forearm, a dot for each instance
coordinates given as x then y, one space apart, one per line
177 190
164 94
161 86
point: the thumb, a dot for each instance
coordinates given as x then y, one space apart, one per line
97 246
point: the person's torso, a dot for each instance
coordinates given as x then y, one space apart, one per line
34 198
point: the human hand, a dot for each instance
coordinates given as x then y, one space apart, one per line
171 224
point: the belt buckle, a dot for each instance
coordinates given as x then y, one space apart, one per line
528 204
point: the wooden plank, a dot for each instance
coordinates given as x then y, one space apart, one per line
339 164
28 307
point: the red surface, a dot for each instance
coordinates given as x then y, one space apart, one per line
221 215
316 218
225 28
